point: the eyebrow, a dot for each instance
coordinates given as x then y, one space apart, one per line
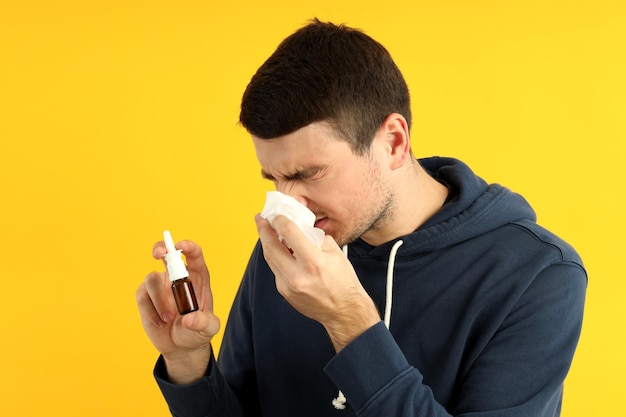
297 175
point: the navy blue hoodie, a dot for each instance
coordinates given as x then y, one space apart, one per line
486 313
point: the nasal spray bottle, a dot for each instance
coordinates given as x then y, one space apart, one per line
181 285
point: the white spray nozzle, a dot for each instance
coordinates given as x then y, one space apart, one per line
174 259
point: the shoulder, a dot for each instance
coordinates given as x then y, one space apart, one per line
559 251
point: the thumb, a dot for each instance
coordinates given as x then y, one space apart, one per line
205 323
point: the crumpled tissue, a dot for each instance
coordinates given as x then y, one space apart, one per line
277 203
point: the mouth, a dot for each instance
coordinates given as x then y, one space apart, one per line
321 222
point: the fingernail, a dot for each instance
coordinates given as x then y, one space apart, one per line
167 316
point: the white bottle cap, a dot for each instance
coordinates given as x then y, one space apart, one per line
175 266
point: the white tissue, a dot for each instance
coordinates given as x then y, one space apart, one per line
277 203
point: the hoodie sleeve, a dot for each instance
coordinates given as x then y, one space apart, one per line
520 372
210 396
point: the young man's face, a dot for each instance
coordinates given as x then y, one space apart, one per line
348 193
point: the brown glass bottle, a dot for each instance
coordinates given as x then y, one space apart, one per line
184 295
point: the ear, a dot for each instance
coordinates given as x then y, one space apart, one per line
394 136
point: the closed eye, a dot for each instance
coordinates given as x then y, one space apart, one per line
267 176
301 174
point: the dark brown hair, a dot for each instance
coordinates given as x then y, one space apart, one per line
326 72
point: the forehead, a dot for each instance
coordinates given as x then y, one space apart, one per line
314 144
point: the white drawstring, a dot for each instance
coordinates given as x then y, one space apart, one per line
340 402
389 290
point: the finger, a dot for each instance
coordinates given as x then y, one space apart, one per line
299 243
147 311
330 244
158 253
199 273
158 250
276 253
157 286
193 256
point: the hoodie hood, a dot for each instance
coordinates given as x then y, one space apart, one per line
473 207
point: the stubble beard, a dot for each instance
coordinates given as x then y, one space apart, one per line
376 220
379 215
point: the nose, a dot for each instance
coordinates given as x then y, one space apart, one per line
295 191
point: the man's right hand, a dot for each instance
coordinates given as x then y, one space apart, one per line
183 341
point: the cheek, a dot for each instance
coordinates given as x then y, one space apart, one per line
345 204
341 197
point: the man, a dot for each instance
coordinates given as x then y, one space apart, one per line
447 298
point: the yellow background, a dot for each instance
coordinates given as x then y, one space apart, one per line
118 119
